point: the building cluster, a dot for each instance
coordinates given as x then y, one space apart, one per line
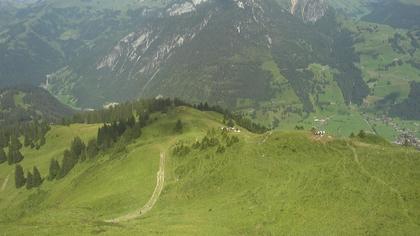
407 139
231 129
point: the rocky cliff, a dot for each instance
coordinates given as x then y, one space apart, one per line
309 10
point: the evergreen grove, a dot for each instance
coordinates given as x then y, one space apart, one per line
121 125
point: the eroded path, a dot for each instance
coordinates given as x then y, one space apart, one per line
382 182
153 199
3 187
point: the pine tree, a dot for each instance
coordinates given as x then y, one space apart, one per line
42 141
131 121
92 149
230 123
10 156
15 143
29 180
26 140
83 155
77 146
19 177
54 169
14 156
69 161
144 118
178 126
3 157
36 178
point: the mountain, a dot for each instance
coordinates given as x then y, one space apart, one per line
25 103
82 64
231 41
280 62
275 183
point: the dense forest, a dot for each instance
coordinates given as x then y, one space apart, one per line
26 103
409 108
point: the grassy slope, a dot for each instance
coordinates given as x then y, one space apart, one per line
288 184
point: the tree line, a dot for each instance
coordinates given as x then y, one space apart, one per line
10 144
144 107
121 124
213 139
32 180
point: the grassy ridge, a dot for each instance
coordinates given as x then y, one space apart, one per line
283 183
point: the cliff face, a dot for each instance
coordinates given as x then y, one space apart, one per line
309 10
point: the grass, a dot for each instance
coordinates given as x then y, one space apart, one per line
376 52
284 183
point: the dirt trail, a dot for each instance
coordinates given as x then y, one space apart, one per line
266 136
153 199
6 180
382 182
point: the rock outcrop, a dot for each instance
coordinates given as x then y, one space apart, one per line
309 10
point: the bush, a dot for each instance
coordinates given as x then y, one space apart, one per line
220 149
181 150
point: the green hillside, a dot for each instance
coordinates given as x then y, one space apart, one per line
274 183
26 103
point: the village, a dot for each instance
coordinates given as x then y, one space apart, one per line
405 136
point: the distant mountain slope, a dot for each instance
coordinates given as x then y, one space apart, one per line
84 51
217 47
24 103
397 14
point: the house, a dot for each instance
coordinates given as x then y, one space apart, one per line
231 129
320 133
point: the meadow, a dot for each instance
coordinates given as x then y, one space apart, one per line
274 183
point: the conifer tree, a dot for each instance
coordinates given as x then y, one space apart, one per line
26 140
42 141
29 180
178 126
14 156
10 156
3 157
15 144
230 123
92 149
77 146
83 155
36 178
19 177
69 161
54 169
144 118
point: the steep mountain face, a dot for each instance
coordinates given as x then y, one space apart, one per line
310 10
215 51
243 54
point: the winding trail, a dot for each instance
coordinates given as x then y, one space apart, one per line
153 199
266 136
382 182
3 187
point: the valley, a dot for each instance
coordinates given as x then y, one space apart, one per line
209 117
280 69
